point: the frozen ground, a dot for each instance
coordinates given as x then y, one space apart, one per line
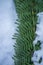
39 31
7 19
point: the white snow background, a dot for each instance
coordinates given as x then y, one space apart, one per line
39 31
7 28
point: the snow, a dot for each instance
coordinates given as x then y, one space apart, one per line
7 28
39 31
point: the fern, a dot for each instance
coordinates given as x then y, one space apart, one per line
27 19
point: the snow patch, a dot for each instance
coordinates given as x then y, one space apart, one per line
39 31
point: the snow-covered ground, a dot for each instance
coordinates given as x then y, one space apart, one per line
7 28
39 31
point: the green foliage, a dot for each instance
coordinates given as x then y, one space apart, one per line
27 20
37 46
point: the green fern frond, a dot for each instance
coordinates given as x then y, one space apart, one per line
27 17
